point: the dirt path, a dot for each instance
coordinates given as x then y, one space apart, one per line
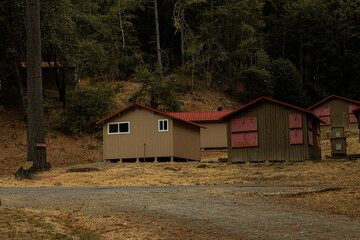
201 212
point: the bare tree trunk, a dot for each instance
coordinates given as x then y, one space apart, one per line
158 49
121 28
35 121
182 31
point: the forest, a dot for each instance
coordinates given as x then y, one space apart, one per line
297 51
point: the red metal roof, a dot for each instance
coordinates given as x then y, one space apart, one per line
200 116
333 96
151 109
271 100
46 64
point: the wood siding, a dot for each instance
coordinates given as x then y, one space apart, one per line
274 136
339 113
144 139
214 136
186 139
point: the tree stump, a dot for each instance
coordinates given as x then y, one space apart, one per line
25 171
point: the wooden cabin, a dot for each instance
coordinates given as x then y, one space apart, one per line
140 133
336 112
270 130
214 135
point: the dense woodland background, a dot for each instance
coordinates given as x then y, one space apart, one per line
298 51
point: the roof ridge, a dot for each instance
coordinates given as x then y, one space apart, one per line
149 108
332 96
272 100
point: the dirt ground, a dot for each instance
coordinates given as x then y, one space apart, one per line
168 212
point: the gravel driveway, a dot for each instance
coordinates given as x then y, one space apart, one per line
231 210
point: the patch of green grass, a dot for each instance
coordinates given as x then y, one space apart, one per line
172 169
42 225
202 166
89 236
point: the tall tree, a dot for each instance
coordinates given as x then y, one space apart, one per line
157 32
35 121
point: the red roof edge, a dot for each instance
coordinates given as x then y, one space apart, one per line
275 101
333 96
149 108
210 116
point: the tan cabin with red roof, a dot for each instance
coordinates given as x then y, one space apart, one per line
214 135
336 112
270 130
140 133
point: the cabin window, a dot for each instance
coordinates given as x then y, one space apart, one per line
244 132
296 129
119 128
163 125
352 118
324 115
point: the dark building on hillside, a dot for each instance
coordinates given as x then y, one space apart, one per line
50 72
336 112
270 130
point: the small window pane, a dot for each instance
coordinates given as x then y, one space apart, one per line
113 128
163 125
124 127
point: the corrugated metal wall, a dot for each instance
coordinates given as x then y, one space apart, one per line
214 136
186 141
339 113
273 136
144 139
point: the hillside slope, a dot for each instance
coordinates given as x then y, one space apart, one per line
66 150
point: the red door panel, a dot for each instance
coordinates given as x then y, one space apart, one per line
351 108
243 124
352 118
322 112
247 139
326 120
311 138
296 136
295 120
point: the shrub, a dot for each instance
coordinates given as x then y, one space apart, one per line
154 92
85 106
202 166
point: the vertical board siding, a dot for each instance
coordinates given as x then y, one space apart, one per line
339 112
340 115
214 136
144 139
273 135
186 140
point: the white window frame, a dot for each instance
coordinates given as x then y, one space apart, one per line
118 128
167 125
